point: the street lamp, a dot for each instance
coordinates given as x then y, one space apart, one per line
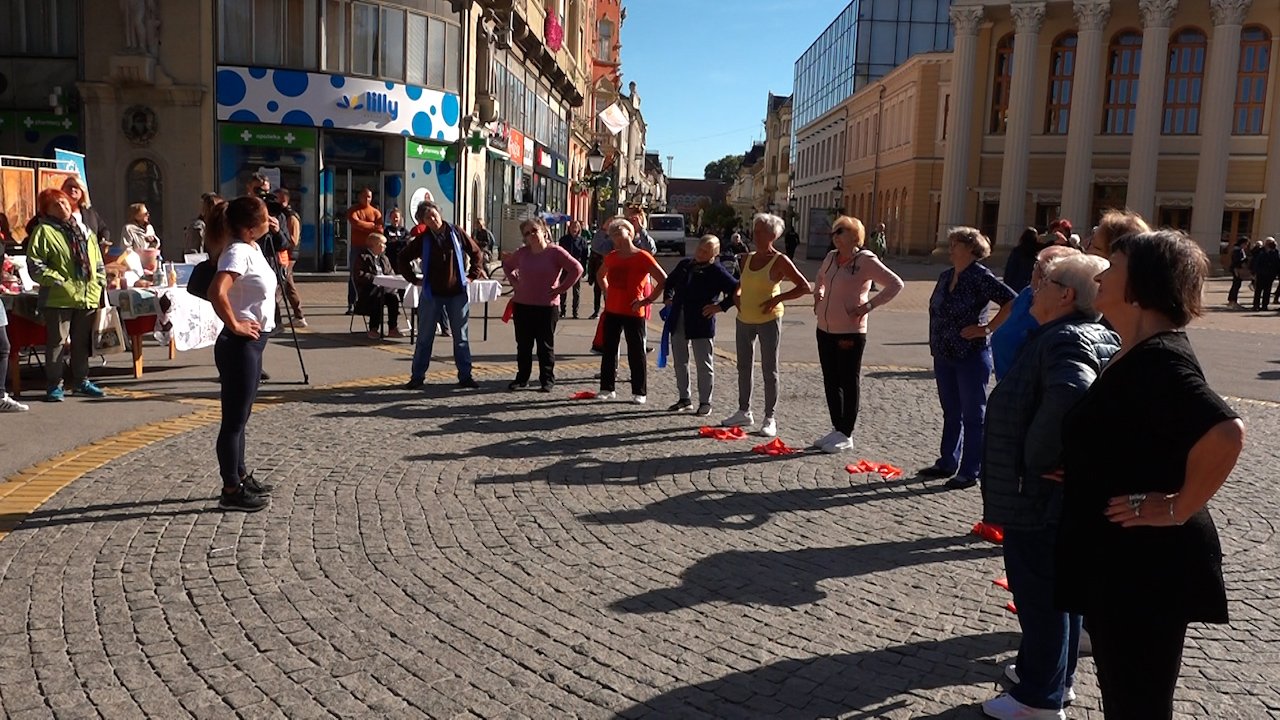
838 190
595 163
595 159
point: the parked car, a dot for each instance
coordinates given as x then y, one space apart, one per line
668 232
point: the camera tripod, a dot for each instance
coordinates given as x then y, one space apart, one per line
268 243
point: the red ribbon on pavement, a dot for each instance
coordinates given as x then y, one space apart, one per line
1002 583
583 395
723 433
990 533
774 447
1011 607
885 470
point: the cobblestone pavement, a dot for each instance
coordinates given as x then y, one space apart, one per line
489 555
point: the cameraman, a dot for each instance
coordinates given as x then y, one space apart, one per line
274 243
291 234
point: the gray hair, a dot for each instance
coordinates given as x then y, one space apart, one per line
1078 272
775 223
608 225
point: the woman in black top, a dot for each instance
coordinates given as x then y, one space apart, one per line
1143 453
1022 260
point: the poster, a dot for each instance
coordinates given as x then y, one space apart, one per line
72 161
17 200
50 178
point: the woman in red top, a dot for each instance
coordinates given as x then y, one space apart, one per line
622 276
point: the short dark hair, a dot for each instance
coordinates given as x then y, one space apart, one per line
1167 271
421 213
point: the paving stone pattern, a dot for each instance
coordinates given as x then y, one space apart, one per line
492 555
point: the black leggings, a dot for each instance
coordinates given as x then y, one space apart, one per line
841 360
1138 659
535 326
614 326
4 357
239 362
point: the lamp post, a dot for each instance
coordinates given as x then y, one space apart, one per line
595 163
839 197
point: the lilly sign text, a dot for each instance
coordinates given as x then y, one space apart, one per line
374 103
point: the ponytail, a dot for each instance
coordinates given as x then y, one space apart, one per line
228 219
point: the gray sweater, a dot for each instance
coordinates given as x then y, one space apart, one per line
1024 420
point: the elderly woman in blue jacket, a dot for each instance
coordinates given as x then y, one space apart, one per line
1025 414
697 289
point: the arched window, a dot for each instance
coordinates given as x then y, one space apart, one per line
1251 85
1121 104
1000 85
143 184
1184 83
1062 69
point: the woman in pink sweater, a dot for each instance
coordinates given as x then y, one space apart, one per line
842 304
540 272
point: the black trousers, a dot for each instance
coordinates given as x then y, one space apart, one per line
1138 659
4 358
614 327
1262 291
1233 295
239 362
535 326
390 301
577 300
841 360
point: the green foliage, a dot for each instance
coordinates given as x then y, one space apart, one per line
725 169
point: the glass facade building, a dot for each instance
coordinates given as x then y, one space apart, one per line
867 40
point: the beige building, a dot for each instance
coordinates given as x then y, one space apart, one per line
1054 113
777 154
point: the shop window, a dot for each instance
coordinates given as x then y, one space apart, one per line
1251 85
269 32
416 50
1184 82
364 38
435 52
1062 68
1121 102
39 28
335 45
392 43
143 184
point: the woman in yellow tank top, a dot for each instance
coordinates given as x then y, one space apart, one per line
760 307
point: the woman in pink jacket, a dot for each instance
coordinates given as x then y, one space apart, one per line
842 303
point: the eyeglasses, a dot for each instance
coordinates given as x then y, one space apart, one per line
531 231
839 231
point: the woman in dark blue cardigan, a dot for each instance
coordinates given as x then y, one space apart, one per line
697 289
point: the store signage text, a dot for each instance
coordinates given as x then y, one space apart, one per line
374 103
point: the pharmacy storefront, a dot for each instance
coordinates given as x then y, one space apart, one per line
326 138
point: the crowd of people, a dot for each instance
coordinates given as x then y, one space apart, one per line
1104 513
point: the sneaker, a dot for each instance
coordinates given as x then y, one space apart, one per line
264 376
9 404
703 410
517 385
639 399
300 322
349 311
547 386
827 439
739 419
243 501
412 385
681 405
1011 674
395 333
250 483
54 395
769 428
86 387
602 395
373 335
960 482
469 384
839 445
1005 707
594 316
933 471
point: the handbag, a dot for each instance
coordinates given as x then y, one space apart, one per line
108 332
201 278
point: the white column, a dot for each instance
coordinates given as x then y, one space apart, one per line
1217 105
1145 151
1086 97
1271 186
965 20
1027 19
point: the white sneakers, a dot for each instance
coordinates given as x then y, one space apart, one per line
1011 674
9 404
639 399
769 428
842 443
739 419
830 437
602 395
1005 707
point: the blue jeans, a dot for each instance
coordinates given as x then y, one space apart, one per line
1050 638
962 390
430 311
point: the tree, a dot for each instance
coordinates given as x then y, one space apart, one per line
717 217
725 169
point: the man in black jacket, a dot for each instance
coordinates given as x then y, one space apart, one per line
578 248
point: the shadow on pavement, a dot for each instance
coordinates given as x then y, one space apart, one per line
585 470
746 511
104 513
901 374
850 685
789 578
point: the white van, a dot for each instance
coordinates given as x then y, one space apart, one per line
667 232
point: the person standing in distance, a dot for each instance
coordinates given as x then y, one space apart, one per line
243 294
287 254
363 220
576 245
444 251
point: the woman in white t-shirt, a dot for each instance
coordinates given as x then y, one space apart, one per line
243 293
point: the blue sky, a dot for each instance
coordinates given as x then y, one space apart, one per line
704 69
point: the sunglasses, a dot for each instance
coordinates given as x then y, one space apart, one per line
839 231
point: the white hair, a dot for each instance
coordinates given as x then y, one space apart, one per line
1077 272
775 223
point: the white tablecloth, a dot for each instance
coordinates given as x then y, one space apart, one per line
190 321
478 291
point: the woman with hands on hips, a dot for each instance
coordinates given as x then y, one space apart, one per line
243 294
1144 451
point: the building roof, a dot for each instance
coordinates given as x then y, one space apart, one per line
777 102
754 155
